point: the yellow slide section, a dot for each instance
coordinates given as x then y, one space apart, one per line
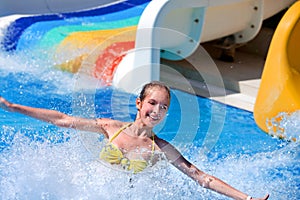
92 42
280 83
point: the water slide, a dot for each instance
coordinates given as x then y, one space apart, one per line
279 88
121 42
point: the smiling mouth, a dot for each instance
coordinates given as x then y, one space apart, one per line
154 117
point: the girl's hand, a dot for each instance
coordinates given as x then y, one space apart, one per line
264 198
5 105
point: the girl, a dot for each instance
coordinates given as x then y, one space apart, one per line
132 145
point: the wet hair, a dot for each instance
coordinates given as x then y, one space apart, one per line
154 84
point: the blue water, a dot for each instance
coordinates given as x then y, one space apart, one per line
41 161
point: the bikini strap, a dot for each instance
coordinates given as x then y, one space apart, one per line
119 131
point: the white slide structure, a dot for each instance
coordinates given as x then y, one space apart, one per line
172 29
178 27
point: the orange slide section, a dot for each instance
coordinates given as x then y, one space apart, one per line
103 49
280 83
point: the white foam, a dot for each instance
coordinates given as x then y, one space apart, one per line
45 170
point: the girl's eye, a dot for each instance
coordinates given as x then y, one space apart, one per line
164 107
152 102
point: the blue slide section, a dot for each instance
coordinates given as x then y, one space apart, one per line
38 30
16 29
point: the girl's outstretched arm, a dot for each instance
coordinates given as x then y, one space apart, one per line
57 118
205 180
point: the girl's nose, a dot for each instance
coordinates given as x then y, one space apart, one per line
156 108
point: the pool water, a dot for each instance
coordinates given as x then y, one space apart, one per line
41 161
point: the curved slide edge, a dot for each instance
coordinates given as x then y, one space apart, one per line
279 88
38 25
48 6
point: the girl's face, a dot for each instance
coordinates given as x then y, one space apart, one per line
154 107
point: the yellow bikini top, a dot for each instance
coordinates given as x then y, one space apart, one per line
112 154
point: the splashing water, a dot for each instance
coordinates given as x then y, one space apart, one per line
285 126
32 169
